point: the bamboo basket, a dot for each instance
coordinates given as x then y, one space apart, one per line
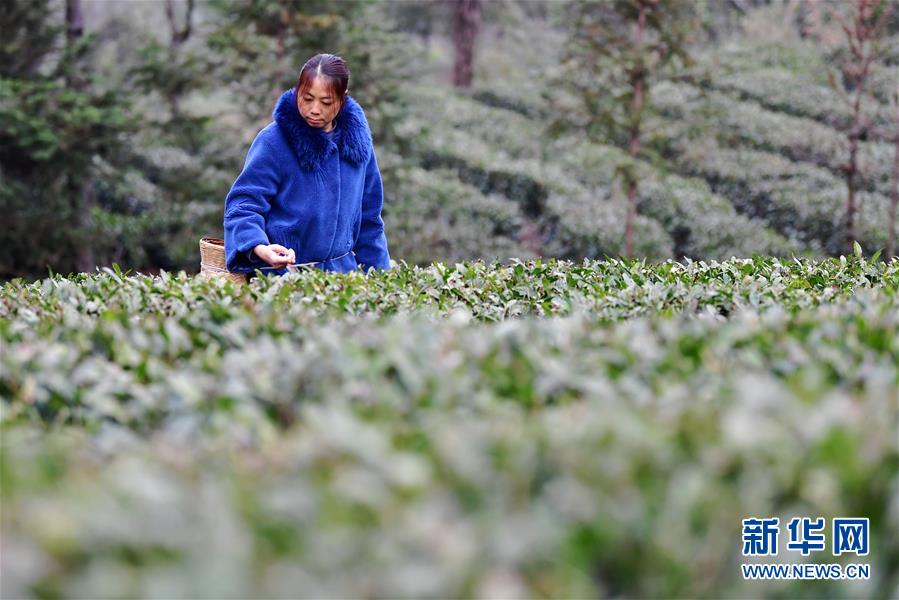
212 261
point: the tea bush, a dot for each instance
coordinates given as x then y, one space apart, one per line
701 224
576 196
800 139
539 428
781 91
436 217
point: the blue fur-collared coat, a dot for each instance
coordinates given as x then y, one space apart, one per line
315 192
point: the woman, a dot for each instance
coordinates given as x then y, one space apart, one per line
310 189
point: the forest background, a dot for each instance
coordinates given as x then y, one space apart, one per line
503 129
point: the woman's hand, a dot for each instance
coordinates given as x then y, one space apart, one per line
275 254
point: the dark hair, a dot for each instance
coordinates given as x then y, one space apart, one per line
332 69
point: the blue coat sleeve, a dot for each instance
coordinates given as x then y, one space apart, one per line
371 247
247 205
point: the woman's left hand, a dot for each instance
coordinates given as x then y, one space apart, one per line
276 255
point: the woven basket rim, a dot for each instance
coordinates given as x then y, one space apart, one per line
212 259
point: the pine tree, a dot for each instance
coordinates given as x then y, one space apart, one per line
55 121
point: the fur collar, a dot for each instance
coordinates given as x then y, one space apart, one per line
351 133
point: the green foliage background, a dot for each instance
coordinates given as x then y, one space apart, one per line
122 147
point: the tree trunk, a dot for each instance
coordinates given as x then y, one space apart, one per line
530 236
851 169
852 165
179 35
466 22
629 221
894 198
74 20
79 186
638 80
281 51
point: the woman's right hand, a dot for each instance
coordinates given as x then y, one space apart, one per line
275 254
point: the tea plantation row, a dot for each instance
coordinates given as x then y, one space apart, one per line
423 432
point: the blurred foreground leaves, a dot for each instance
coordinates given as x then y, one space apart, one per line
419 432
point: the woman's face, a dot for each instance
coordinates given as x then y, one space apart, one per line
318 106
